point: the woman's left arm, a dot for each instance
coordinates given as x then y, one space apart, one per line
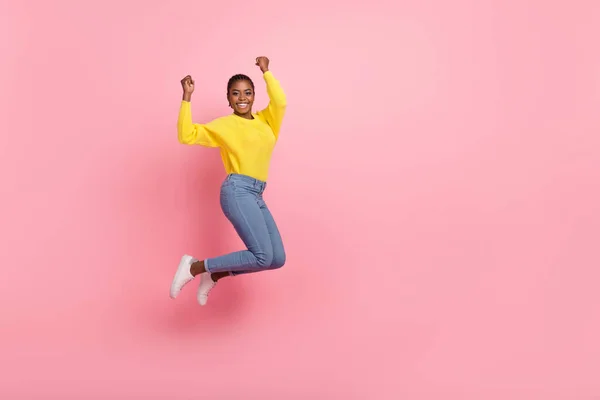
275 111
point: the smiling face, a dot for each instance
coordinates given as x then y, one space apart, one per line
240 95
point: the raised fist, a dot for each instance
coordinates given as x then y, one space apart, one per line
263 63
187 84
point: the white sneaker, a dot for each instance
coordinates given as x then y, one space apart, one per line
182 276
206 285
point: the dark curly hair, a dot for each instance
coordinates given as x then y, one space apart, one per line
237 78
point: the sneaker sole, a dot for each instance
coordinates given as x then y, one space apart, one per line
185 262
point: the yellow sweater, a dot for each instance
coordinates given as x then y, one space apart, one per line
246 144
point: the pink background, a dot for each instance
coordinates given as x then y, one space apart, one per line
437 184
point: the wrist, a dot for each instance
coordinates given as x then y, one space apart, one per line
187 97
265 70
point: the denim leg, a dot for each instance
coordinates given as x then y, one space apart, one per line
276 241
240 205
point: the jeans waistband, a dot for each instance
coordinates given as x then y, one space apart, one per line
248 180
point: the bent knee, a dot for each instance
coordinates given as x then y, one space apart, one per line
264 259
278 260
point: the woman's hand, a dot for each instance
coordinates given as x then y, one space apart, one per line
263 63
187 84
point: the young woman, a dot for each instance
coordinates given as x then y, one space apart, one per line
246 141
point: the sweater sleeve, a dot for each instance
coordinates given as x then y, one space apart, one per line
275 110
192 133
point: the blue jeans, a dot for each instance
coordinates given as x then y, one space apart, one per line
243 205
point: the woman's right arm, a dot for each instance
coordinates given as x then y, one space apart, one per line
191 133
187 131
